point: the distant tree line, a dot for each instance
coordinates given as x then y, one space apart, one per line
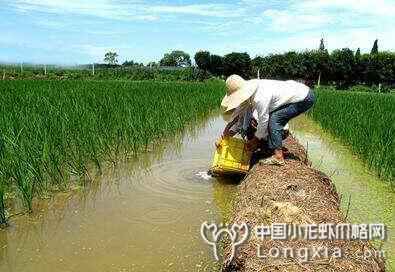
341 67
176 58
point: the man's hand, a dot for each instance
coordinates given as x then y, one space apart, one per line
218 143
228 133
253 144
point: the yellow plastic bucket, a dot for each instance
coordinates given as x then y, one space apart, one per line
231 157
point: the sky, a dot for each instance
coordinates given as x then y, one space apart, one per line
81 31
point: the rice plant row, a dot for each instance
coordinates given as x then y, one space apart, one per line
365 121
51 131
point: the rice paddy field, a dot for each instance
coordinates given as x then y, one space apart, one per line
365 122
54 132
58 135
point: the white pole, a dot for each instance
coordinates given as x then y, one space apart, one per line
21 67
4 74
259 74
319 80
45 69
93 69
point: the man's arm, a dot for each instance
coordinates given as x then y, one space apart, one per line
228 129
262 106
228 132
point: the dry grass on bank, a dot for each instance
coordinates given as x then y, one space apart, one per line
293 194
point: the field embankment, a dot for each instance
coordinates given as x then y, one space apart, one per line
365 122
297 195
52 132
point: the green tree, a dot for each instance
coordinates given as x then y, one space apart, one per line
203 59
380 68
237 63
129 63
176 58
168 60
375 48
316 66
358 54
293 65
359 67
343 63
322 45
257 61
257 64
111 58
216 65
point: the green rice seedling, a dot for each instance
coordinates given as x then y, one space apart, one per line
3 219
55 130
365 121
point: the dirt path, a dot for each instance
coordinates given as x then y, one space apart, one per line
294 194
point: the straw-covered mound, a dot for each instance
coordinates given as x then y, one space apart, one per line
293 194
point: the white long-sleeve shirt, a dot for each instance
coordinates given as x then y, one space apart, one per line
272 94
241 123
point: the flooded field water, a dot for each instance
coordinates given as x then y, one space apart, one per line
371 200
141 216
145 215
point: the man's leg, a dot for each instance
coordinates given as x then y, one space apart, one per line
280 117
277 120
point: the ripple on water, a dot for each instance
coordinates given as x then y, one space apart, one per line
165 186
178 179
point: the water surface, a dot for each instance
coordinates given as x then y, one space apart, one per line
144 215
372 200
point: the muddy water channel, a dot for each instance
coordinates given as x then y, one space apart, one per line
141 216
371 200
145 214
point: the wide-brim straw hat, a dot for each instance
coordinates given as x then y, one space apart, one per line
231 114
238 90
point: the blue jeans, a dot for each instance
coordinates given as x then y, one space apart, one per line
281 116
